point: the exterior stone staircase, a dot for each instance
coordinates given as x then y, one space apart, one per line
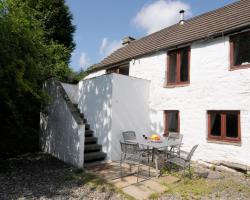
92 150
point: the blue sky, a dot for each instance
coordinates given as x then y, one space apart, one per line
101 24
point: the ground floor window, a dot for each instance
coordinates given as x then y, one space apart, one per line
224 126
171 121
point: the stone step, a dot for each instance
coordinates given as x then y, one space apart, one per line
90 140
84 120
87 126
94 156
92 148
90 165
89 133
81 115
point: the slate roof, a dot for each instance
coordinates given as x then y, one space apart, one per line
211 24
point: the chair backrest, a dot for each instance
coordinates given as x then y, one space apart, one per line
175 136
128 135
190 154
129 148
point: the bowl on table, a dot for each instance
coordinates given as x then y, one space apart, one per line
155 138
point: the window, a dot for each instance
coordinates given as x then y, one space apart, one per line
240 51
171 121
178 66
119 70
224 126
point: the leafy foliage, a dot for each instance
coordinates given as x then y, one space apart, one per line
28 56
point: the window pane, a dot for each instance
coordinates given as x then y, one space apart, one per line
232 125
172 68
172 121
184 65
241 49
124 71
215 119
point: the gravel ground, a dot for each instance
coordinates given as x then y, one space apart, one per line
40 176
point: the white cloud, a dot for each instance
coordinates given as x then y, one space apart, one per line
84 60
107 47
160 14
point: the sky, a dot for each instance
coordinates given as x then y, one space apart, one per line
102 24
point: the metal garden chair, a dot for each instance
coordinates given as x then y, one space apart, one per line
128 135
132 155
175 150
183 162
131 135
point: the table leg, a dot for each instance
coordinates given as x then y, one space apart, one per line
156 159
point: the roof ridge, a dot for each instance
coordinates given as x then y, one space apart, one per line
188 20
200 26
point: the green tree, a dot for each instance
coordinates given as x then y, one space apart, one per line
57 22
27 58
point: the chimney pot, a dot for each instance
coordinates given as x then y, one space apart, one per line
182 20
127 40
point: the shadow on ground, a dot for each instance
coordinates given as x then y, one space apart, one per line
40 176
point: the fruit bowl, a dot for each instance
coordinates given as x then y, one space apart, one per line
155 138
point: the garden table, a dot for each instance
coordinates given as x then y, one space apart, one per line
161 145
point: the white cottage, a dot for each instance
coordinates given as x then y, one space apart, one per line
199 80
192 78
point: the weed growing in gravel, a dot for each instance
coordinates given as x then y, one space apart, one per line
94 182
191 188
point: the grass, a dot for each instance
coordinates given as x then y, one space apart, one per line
196 188
186 188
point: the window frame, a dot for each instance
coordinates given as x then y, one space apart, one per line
231 44
117 70
165 120
178 68
223 122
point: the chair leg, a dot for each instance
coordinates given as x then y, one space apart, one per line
121 167
190 174
148 170
130 168
170 167
138 172
184 172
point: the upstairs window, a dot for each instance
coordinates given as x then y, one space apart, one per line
119 70
224 126
178 65
240 50
171 121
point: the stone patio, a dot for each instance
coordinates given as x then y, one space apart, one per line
145 187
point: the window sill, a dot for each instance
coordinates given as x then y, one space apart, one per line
234 143
176 85
232 68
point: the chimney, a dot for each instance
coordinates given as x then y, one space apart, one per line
127 40
182 20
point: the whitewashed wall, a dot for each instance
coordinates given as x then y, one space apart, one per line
95 74
62 134
72 91
212 87
95 102
130 110
114 103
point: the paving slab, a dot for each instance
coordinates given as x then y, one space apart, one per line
124 182
154 186
139 192
167 179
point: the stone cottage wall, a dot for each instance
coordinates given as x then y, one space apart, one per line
212 87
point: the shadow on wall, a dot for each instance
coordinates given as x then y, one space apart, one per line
62 133
95 102
156 122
